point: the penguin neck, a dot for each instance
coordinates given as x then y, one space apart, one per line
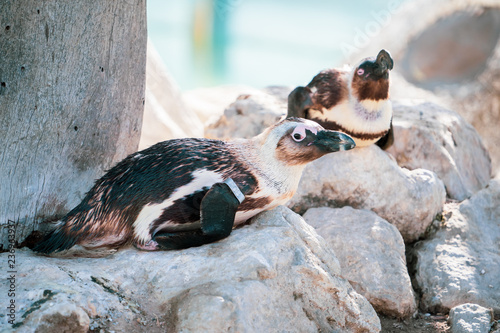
369 110
272 171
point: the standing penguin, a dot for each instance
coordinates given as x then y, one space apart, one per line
351 100
188 192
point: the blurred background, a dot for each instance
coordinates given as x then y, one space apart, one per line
260 42
209 52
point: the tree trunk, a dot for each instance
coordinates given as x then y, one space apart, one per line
72 77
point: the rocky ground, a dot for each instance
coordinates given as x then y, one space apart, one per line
422 323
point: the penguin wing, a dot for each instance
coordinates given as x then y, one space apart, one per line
299 101
387 140
218 210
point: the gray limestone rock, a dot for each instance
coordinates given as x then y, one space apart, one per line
430 137
248 116
367 178
470 318
371 253
461 262
166 115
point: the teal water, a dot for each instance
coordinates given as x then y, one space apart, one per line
260 42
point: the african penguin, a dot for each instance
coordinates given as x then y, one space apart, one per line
351 100
187 192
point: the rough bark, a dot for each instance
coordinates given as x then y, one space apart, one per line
72 77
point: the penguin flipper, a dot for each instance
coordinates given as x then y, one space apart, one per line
387 140
218 210
299 101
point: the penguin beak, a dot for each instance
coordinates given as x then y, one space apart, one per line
384 63
332 141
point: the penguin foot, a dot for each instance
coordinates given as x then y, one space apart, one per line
149 246
218 209
183 240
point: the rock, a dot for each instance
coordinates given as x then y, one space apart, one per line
461 262
367 178
166 115
371 253
430 137
61 317
495 327
470 318
209 103
249 115
275 274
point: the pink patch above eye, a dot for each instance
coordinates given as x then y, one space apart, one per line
301 131
361 71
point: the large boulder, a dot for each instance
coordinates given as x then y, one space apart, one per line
249 115
209 103
470 318
367 178
431 137
371 253
275 274
166 115
461 262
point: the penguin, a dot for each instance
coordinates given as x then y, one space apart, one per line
188 192
351 100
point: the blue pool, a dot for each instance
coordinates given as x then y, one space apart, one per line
260 42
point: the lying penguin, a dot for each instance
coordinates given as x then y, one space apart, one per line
188 192
351 100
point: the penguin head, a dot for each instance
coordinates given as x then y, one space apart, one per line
375 68
371 77
297 141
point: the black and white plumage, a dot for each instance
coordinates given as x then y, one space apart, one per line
173 195
351 100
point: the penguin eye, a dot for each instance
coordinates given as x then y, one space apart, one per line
299 134
361 71
298 137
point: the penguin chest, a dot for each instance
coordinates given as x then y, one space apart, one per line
366 121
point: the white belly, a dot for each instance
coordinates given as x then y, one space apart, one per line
367 117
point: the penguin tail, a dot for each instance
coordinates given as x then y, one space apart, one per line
55 241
